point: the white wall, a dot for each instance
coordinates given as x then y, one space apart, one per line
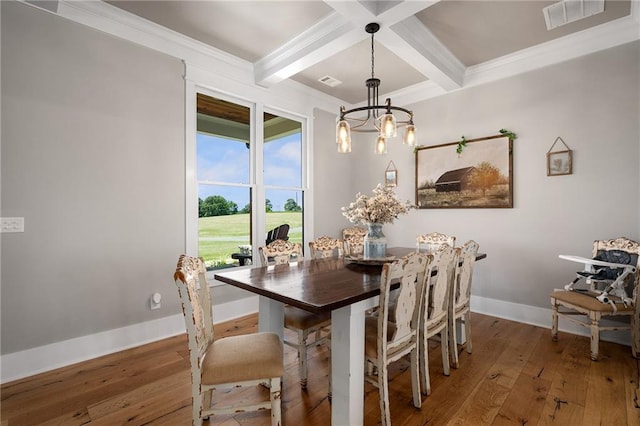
93 158
593 104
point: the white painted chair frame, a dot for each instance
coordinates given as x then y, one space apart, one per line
587 311
460 299
193 288
282 252
396 327
432 241
353 240
435 311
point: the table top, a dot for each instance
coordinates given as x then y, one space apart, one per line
317 285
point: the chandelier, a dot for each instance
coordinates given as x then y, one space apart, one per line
379 118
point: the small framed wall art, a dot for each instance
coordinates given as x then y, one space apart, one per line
391 175
559 162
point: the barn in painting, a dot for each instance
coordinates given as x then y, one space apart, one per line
454 180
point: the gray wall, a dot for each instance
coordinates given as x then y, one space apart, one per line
93 159
593 104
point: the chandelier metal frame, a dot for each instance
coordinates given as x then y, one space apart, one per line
379 118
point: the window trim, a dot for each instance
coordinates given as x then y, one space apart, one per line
256 184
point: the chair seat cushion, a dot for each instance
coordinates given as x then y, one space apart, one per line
302 320
587 302
241 358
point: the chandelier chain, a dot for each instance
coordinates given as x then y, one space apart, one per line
372 57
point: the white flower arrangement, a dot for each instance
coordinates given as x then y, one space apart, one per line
382 208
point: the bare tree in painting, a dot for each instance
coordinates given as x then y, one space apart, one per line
484 177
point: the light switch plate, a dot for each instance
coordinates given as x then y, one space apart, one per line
12 224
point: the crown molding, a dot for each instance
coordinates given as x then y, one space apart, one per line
117 22
120 23
604 36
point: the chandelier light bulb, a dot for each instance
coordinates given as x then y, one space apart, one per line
381 145
388 126
343 132
344 147
410 135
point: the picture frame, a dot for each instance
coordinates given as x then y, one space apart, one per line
472 173
559 162
391 175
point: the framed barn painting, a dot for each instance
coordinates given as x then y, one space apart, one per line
474 173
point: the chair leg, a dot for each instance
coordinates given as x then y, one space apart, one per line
595 334
275 398
196 408
207 398
383 389
554 320
424 368
415 379
302 357
444 343
453 344
635 337
467 330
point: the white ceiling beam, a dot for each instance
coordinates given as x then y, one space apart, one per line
338 31
411 39
330 35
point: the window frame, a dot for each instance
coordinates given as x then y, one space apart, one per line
256 179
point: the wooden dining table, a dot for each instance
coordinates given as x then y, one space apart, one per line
346 289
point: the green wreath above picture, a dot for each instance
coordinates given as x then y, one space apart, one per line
463 141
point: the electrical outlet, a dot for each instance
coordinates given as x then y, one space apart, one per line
155 301
12 224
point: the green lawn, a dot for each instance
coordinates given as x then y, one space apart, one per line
219 236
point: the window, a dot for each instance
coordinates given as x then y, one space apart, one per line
239 167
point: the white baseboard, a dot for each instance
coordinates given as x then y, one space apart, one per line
32 361
540 317
25 363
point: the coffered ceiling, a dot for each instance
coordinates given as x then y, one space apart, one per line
444 44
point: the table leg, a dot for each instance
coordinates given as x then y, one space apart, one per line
347 363
271 316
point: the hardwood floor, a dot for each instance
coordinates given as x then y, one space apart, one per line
516 376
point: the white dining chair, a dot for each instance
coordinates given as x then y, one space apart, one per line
353 240
435 309
393 332
433 240
586 310
303 323
460 299
227 363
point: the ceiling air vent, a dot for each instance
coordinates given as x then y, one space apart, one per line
567 11
329 81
